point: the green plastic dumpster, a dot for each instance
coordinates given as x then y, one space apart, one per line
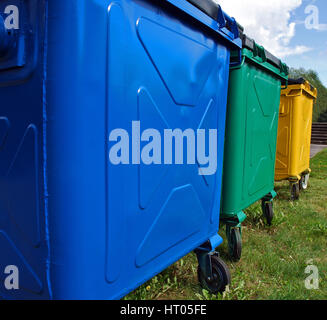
251 137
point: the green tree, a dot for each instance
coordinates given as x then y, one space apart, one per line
323 117
320 108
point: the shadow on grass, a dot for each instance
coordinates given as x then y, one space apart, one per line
283 191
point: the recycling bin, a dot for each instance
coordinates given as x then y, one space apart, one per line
90 205
294 135
251 134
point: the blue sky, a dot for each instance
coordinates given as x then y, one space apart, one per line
316 40
284 28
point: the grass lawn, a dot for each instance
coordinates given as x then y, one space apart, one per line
274 258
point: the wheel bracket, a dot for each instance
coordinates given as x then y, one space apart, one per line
236 221
204 254
270 196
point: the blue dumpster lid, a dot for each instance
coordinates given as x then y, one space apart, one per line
209 7
210 14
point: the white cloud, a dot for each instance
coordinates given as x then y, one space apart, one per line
268 22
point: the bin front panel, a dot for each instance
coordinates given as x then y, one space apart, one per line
284 138
163 73
302 122
251 132
76 225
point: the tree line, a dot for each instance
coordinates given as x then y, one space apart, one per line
320 108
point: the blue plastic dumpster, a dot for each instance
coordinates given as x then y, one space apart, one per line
74 224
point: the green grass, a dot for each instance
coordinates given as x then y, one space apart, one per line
274 258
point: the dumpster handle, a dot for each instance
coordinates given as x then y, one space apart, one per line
223 24
225 21
259 52
239 62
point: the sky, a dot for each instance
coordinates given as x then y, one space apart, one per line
293 30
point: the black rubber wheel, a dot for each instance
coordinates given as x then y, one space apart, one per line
295 191
268 212
301 183
235 244
221 276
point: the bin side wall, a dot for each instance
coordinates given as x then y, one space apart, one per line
251 132
23 191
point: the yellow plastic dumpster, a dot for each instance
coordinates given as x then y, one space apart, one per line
294 135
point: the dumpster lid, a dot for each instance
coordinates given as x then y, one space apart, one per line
211 14
251 45
296 81
300 81
209 7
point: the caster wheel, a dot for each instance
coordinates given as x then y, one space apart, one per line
268 212
304 182
221 276
235 244
295 191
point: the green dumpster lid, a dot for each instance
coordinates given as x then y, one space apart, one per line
251 45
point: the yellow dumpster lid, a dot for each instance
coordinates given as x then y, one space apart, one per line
303 84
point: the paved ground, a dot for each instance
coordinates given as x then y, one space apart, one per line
315 148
